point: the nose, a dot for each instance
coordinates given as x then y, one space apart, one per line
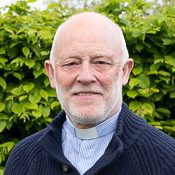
85 75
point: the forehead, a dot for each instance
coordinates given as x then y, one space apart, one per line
87 39
88 35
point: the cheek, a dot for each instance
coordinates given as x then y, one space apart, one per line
64 79
109 78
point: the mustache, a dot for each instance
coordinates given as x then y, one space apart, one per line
97 90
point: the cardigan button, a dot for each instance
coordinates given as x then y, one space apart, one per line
66 168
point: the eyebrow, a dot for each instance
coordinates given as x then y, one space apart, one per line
92 55
74 56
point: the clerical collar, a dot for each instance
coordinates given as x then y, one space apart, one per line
99 130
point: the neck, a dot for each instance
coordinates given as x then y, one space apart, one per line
82 126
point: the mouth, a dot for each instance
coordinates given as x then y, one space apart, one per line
86 93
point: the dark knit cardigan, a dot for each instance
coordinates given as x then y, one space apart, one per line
135 149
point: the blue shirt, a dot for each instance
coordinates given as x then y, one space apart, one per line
83 153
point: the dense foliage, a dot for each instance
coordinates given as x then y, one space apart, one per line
28 104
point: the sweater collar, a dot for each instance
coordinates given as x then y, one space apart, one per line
129 129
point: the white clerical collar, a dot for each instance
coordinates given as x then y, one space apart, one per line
90 133
100 130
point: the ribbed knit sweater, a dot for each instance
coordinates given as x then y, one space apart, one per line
135 149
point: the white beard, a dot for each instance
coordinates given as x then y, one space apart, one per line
96 114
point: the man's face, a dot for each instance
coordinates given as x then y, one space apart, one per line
88 76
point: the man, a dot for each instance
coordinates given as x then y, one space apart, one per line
96 133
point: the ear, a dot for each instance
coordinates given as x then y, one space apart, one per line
126 71
50 73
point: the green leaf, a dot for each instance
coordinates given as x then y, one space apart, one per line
172 94
159 61
170 122
46 82
167 79
14 44
154 67
133 82
2 83
30 63
45 53
153 72
158 96
31 32
18 60
9 124
170 31
2 51
168 129
136 33
163 18
3 60
163 110
126 22
44 110
144 81
22 97
37 73
45 34
154 123
54 104
34 98
164 73
137 70
17 108
20 76
44 94
139 47
167 41
26 51
36 113
51 5
2 125
134 105
9 97
28 87
132 93
145 92
2 106
148 109
31 106
36 50
3 116
51 92
37 66
31 1
170 60
17 90
34 39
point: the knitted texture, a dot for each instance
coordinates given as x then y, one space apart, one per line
135 149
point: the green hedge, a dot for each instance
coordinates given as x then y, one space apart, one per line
28 104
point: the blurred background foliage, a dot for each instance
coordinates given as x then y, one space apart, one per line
28 104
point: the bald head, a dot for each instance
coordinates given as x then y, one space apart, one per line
89 65
90 25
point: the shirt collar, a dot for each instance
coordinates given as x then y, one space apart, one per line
99 130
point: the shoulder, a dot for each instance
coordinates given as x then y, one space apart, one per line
159 139
30 141
23 153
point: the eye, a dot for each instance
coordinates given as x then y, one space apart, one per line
101 62
71 64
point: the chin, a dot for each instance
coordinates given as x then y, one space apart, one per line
87 115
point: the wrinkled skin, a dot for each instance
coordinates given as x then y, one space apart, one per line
88 71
